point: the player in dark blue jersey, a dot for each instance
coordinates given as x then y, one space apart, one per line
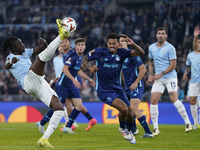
133 71
109 61
68 87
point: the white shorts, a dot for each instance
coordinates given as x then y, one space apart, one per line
161 84
194 89
38 87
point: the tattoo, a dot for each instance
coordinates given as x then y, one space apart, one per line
187 69
151 62
163 73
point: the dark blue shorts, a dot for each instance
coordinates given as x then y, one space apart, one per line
109 97
67 92
137 93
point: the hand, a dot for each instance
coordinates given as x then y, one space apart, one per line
157 76
185 77
93 69
84 85
14 60
56 79
76 84
129 41
196 31
133 86
41 41
150 79
92 83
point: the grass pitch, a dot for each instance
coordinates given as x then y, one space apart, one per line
24 136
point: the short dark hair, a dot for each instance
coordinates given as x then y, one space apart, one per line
162 28
79 40
123 35
113 36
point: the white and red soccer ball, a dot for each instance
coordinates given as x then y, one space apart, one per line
69 24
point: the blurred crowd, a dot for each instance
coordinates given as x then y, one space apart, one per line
29 19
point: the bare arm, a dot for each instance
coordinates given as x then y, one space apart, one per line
65 70
86 63
187 70
41 47
169 69
137 51
142 71
83 75
151 70
9 62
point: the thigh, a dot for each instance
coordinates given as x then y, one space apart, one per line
194 89
122 96
171 84
62 93
74 92
158 86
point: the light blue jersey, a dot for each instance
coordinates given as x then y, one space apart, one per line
193 60
162 56
20 68
58 65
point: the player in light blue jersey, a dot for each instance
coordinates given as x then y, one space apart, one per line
193 64
133 71
109 61
31 76
162 58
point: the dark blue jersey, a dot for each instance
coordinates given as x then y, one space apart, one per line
74 62
130 71
108 75
65 55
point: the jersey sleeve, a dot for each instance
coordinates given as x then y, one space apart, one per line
188 62
29 51
137 61
69 60
172 53
126 53
150 53
94 54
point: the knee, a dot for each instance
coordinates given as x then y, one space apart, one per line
124 111
56 104
79 107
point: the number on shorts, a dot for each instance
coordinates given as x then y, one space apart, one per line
173 84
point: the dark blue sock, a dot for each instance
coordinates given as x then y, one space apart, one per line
88 116
47 117
144 124
72 117
134 128
129 126
122 124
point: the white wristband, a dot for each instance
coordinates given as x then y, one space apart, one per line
51 81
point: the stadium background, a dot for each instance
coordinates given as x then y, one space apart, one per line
29 19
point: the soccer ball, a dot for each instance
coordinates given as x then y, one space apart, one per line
69 24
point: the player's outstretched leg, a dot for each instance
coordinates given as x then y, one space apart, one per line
42 142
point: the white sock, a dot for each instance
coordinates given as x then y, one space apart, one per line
154 115
50 50
66 117
53 123
198 107
181 109
194 113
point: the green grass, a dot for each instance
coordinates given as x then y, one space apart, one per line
24 136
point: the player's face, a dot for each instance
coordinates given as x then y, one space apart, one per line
61 49
66 45
113 45
122 43
198 45
18 47
161 36
80 47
